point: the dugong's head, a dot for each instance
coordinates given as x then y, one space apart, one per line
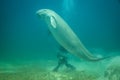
47 15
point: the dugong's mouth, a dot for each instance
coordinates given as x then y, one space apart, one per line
46 15
40 12
43 13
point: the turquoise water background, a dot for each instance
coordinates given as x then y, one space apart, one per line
23 36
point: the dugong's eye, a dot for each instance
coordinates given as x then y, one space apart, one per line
53 22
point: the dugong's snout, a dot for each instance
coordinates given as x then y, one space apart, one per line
45 13
41 13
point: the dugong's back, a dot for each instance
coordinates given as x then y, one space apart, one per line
64 35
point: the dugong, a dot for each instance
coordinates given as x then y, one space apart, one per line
64 35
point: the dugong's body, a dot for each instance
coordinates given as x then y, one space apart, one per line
64 35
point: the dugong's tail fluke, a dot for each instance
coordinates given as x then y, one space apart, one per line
99 59
65 36
92 57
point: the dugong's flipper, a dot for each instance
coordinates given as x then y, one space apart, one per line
64 35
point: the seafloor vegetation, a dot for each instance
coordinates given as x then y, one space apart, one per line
37 72
112 71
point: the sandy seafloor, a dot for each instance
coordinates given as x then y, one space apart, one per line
108 69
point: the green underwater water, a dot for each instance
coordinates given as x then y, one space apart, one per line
28 51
